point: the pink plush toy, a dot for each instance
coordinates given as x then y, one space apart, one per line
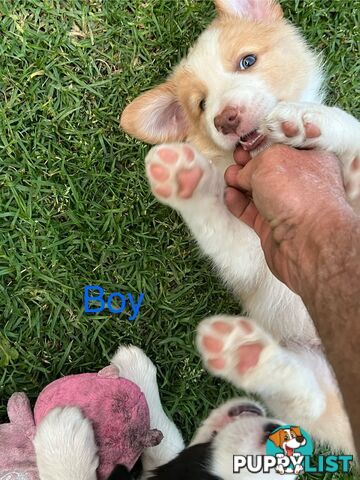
116 407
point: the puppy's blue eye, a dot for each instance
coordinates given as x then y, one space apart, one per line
247 62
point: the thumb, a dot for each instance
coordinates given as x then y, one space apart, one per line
242 207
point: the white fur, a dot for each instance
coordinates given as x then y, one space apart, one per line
134 365
65 446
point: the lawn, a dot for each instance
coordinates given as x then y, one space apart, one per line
75 208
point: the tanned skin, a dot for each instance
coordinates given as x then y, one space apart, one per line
295 201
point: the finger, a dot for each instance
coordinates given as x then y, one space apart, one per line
241 206
231 175
241 157
244 176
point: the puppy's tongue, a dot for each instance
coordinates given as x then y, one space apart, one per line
251 140
289 451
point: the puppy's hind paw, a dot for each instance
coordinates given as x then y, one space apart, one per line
231 347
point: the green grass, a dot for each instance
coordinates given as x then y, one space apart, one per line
75 208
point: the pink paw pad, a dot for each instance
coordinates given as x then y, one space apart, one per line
217 363
168 155
290 129
246 327
222 327
212 344
188 180
249 356
159 173
189 153
312 131
163 191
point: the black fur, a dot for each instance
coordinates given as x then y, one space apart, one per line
193 463
121 473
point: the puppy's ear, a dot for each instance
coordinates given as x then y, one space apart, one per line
276 438
261 10
297 431
156 116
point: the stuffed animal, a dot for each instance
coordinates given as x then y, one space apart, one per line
115 406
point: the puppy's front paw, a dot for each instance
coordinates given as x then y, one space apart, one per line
231 348
299 125
175 172
65 446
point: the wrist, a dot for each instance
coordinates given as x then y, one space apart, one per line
327 249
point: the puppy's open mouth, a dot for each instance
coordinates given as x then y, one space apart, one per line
251 140
246 409
289 451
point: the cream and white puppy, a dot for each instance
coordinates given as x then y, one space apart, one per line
66 449
249 74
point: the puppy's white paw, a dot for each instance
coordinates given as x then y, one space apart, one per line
176 173
133 364
233 348
301 125
65 446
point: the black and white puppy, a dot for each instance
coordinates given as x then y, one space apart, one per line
66 450
237 427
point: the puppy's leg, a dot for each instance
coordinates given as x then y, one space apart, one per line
186 181
297 386
134 365
65 446
238 350
306 125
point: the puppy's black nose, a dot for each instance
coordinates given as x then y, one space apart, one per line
270 427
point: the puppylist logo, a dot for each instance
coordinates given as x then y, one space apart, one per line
289 450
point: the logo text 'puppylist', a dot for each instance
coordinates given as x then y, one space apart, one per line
95 301
289 450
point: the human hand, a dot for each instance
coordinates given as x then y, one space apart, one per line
291 198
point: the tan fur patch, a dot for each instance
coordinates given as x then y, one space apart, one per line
190 90
271 43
